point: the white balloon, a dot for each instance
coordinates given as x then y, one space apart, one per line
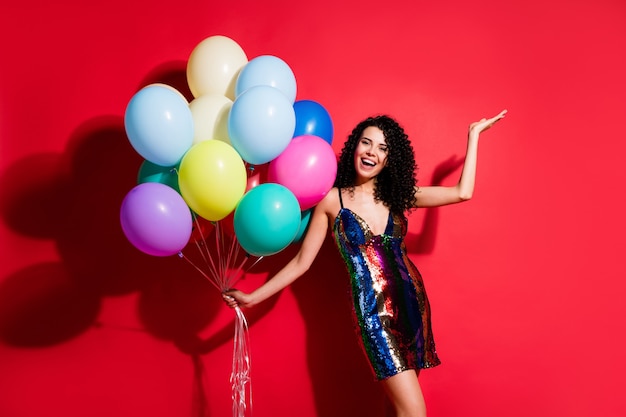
214 65
210 117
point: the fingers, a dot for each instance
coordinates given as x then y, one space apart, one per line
230 300
499 115
494 119
484 124
487 123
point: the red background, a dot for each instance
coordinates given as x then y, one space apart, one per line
526 280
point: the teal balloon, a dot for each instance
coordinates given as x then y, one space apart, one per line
150 172
267 219
305 218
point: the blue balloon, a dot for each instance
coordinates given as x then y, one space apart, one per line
159 124
313 119
267 219
261 124
267 70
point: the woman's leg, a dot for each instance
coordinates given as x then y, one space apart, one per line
405 394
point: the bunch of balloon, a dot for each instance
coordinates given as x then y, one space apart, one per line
192 178
243 162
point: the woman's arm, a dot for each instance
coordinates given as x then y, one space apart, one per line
436 196
299 264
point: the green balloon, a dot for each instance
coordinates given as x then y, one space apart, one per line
151 172
304 225
267 219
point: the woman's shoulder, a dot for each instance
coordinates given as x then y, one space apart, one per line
330 203
332 196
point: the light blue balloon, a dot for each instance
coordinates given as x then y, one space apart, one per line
267 219
159 124
267 70
261 124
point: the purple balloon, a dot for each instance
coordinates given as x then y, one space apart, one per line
156 219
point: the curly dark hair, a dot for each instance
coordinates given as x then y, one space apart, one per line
395 185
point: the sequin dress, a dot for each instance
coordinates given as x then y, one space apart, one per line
390 306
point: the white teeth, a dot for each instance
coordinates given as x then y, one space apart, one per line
368 162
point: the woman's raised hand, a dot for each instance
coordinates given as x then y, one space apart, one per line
484 124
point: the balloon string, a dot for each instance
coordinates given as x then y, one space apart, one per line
204 250
233 254
182 255
224 268
240 376
207 258
231 259
219 242
241 270
200 243
255 262
221 262
235 277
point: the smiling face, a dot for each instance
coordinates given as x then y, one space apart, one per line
370 155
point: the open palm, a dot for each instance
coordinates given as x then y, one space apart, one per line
484 124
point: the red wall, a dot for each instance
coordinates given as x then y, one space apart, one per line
526 280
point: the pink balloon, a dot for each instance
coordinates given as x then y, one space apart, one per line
307 167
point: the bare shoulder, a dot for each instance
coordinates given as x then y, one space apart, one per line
330 203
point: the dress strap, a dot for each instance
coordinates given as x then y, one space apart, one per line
340 200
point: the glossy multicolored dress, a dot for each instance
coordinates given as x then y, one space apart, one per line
390 304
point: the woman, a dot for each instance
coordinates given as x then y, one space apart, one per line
366 209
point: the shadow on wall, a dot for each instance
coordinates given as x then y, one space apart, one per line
73 199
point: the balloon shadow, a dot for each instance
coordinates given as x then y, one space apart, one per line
73 200
172 73
41 306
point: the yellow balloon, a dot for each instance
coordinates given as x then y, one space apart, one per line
212 179
210 117
214 65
